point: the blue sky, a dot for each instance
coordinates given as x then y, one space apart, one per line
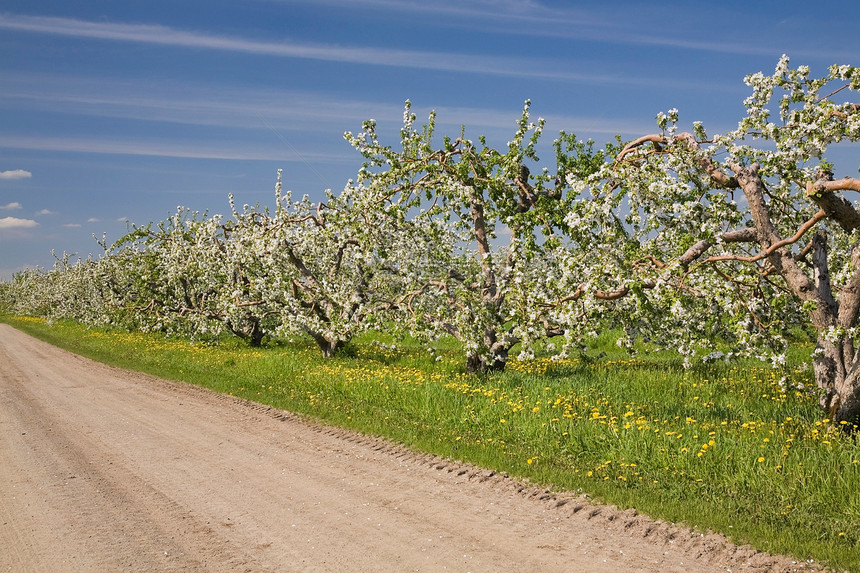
121 111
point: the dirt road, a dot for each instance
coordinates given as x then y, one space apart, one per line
107 470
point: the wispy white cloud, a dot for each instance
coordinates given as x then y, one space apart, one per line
11 206
45 212
508 16
279 112
72 225
195 103
16 223
163 35
93 220
501 65
594 23
165 149
492 123
15 174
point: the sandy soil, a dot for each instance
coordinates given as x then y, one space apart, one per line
107 470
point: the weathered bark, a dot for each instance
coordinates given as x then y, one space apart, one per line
838 375
257 337
746 235
332 347
489 288
822 192
836 366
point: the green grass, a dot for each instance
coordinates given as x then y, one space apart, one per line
721 447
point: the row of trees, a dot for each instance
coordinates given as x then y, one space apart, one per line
679 238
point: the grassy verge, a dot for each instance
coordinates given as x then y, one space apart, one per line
721 447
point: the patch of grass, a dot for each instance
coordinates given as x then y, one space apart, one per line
734 448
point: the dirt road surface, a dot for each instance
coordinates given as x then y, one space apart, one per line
103 469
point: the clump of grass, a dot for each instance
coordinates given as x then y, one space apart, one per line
735 448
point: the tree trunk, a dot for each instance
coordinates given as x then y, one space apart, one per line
481 364
249 330
329 347
257 335
836 369
495 356
837 374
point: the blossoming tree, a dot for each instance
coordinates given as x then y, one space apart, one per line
70 290
323 269
741 236
479 288
178 276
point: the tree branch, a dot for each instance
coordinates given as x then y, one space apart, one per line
339 257
778 245
823 193
747 235
300 266
658 140
754 188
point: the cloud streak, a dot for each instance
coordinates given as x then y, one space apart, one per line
166 36
284 111
163 149
486 122
509 66
11 206
194 104
535 19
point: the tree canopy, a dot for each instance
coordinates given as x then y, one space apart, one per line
718 246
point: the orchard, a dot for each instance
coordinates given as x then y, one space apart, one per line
718 245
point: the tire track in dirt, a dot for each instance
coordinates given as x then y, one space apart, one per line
110 470
100 514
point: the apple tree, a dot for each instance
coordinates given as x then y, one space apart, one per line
740 237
